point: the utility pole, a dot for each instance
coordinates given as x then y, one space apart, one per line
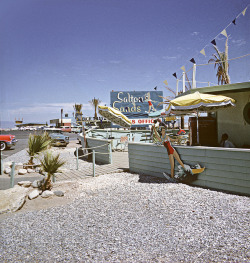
61 117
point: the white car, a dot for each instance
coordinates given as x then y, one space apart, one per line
78 137
76 129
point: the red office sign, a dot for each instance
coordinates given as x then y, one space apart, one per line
142 121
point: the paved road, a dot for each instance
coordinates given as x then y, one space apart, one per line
22 137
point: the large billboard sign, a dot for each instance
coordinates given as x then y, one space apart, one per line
137 104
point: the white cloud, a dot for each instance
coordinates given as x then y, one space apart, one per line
195 33
169 57
43 112
239 42
39 111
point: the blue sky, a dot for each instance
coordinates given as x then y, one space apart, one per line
55 53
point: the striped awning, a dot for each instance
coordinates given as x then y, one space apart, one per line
114 116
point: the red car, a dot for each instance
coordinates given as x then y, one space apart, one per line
7 141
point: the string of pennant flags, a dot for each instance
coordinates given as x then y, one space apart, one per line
213 42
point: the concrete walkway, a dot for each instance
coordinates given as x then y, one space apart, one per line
5 180
120 164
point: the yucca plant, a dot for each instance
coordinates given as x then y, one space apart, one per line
37 144
46 136
50 164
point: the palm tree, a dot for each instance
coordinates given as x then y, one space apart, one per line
95 102
78 108
37 144
51 165
221 61
78 113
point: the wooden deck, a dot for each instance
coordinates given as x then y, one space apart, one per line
120 163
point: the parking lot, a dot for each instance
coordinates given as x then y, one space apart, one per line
22 140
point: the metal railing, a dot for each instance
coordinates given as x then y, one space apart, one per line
12 173
93 153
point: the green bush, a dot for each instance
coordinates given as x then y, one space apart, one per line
50 164
37 144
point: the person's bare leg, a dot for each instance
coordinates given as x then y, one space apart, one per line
177 157
171 160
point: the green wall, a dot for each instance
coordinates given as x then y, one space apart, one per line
226 169
231 120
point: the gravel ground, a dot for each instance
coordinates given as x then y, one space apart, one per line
127 217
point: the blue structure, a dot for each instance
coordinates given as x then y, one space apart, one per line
137 105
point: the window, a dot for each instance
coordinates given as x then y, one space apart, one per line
246 113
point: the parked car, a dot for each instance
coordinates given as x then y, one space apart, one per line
76 129
7 141
79 138
58 138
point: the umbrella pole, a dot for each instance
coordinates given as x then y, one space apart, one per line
198 141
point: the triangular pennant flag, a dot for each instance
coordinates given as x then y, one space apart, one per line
183 68
213 42
192 60
165 82
234 21
155 88
244 11
175 75
203 52
224 32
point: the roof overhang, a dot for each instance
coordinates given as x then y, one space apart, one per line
222 89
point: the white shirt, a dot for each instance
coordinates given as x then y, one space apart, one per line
227 144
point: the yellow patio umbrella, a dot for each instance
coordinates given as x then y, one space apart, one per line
198 102
114 116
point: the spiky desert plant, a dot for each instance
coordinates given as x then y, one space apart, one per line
221 62
95 102
46 136
78 113
78 107
50 164
37 144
